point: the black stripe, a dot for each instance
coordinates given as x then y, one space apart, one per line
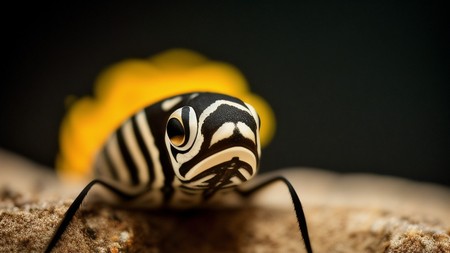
110 165
158 127
145 151
131 166
185 118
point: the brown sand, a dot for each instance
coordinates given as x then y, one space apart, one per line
346 213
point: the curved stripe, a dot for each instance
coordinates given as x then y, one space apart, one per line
144 151
246 131
136 152
115 156
183 158
126 155
223 132
170 103
149 141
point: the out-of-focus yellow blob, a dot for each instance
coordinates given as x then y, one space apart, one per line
131 85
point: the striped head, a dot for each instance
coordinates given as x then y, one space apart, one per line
212 140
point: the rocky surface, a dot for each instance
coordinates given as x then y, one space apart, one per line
346 213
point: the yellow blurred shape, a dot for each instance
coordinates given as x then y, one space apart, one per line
131 85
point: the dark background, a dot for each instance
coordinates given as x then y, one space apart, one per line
356 87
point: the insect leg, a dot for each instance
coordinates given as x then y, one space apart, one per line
295 199
70 213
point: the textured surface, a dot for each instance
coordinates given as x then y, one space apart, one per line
352 213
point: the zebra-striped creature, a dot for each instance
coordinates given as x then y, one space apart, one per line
181 152
206 143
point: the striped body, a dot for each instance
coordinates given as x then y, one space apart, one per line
184 149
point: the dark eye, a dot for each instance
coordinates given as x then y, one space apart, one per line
181 128
176 132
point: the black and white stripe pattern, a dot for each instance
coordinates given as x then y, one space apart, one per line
184 149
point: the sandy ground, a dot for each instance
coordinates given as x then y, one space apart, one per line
345 213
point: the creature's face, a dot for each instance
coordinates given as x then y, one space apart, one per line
213 141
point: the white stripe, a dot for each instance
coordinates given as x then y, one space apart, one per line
170 103
255 116
226 130
223 132
194 95
116 158
144 128
246 131
182 158
133 147
245 173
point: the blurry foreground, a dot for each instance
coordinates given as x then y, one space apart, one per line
351 213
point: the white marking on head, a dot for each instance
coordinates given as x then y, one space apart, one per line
170 103
182 158
255 116
223 132
244 155
193 95
246 131
227 129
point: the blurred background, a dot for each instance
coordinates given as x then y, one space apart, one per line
356 87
